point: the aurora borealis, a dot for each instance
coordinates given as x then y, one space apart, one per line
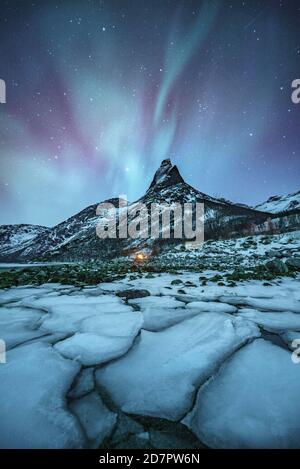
99 92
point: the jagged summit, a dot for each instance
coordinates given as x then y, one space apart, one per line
167 175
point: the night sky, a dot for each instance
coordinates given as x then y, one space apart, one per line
99 92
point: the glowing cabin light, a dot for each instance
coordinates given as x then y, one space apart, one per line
140 257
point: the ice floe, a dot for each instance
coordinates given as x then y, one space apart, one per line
159 375
33 412
253 402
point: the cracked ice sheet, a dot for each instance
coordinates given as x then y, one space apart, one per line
47 302
102 338
68 317
127 324
275 304
211 306
18 325
33 413
83 384
253 402
156 302
92 349
273 322
15 294
156 319
159 375
97 420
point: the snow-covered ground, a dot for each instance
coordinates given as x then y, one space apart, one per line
240 252
85 365
279 203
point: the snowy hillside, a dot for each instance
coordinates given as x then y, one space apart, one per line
14 237
277 204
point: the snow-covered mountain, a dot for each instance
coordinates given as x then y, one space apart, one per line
15 237
76 239
278 204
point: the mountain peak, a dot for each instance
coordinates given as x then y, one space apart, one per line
167 175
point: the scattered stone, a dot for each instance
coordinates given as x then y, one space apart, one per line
132 294
189 284
176 282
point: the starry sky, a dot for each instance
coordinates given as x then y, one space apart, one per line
99 92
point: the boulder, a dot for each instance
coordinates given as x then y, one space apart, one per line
277 266
132 294
293 262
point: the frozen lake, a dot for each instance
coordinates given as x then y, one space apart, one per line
164 347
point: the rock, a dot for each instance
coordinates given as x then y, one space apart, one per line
273 253
277 266
132 294
293 262
189 284
176 282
